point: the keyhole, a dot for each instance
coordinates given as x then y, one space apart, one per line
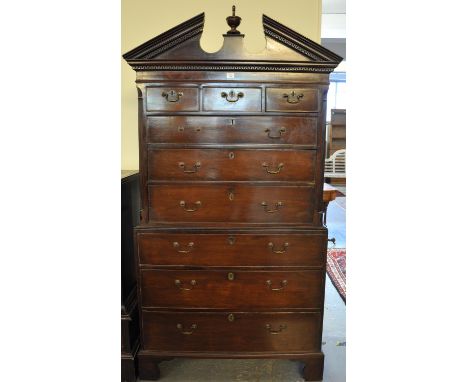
233 122
231 155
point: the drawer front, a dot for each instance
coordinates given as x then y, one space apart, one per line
194 249
230 203
275 332
232 99
292 99
172 99
226 164
219 130
232 290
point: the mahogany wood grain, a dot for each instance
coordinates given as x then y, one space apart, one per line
251 290
232 331
235 99
231 249
230 202
303 99
232 164
186 99
265 130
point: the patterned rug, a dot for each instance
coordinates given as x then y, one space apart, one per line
336 269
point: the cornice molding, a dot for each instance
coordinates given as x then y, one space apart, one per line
317 59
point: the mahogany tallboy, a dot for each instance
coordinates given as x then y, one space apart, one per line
231 248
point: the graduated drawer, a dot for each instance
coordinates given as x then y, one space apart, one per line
195 249
232 290
226 331
230 203
232 99
292 99
172 99
228 164
226 130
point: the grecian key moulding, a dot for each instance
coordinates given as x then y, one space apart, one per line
231 247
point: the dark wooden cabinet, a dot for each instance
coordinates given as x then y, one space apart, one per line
231 248
130 331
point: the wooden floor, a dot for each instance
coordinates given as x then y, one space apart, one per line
334 339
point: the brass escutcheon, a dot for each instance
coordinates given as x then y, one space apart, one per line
231 240
230 276
231 155
231 317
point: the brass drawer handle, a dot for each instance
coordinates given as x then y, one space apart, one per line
283 284
189 246
172 96
277 207
281 132
232 96
281 328
293 97
196 166
182 128
278 168
178 284
278 251
188 331
183 205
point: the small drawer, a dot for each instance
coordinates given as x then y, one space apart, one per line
235 165
304 100
172 99
232 249
232 289
236 203
232 331
263 130
232 99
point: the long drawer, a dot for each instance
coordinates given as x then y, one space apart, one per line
230 203
232 290
236 165
195 249
232 130
231 331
